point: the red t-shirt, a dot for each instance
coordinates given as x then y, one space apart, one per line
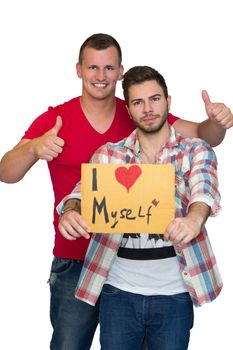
81 141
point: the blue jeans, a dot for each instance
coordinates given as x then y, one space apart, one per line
74 322
126 319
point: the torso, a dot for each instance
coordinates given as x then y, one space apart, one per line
81 141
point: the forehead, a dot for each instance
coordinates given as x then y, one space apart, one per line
144 90
103 57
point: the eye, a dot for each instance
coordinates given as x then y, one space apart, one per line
109 68
155 98
92 67
136 103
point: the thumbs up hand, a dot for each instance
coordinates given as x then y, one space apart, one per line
49 145
218 112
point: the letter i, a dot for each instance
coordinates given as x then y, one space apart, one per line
94 180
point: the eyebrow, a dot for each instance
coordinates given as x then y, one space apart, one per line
141 99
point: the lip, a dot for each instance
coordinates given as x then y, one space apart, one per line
100 85
150 119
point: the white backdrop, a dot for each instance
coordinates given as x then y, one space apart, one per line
190 43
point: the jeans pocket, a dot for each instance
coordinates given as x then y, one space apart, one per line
182 297
108 289
59 267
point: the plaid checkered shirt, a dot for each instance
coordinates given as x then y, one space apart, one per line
195 181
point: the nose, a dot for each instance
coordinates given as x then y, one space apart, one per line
100 74
147 106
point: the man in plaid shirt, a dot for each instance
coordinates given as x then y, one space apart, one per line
149 283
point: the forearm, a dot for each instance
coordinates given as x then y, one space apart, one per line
198 212
207 130
16 163
211 132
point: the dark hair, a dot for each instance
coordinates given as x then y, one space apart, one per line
140 74
100 41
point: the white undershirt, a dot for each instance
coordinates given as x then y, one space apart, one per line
146 277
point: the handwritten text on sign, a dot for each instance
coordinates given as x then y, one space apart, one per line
128 198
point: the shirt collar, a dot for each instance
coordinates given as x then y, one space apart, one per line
132 141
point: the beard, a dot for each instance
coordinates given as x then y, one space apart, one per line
150 129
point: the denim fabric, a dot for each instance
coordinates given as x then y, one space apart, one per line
127 318
74 322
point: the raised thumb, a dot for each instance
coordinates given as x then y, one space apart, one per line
206 98
57 125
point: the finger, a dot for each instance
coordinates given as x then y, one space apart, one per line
78 222
206 98
59 141
50 155
50 150
66 234
179 238
55 148
73 218
187 239
47 158
78 231
75 225
170 230
68 231
56 128
229 124
166 235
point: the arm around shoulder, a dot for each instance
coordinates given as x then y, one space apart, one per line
213 129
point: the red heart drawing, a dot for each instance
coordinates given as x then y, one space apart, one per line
128 176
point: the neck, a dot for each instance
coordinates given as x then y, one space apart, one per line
97 106
99 113
151 144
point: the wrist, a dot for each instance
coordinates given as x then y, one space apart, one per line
72 204
33 149
198 213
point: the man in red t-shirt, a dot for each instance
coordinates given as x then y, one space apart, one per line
66 136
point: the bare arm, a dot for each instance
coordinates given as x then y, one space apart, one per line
213 129
184 229
16 162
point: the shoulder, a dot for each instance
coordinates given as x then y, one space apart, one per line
46 120
172 118
120 102
193 145
66 106
121 106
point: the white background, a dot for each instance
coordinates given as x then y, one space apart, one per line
190 43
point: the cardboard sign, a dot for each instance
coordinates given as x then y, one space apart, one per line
128 198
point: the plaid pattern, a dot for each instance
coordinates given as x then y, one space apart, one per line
196 180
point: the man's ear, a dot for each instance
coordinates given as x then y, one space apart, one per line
128 111
121 73
169 102
78 70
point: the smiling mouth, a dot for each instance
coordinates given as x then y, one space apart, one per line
100 85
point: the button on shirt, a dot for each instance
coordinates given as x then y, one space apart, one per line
196 181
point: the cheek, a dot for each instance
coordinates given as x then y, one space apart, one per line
135 113
113 77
